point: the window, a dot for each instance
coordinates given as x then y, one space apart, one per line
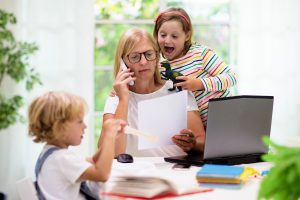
210 21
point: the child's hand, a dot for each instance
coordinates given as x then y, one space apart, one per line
191 84
90 160
185 140
112 127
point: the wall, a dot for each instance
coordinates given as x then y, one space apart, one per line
64 31
268 49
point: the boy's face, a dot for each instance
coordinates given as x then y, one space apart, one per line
73 132
171 39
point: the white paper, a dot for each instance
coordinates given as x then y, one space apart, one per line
164 117
147 136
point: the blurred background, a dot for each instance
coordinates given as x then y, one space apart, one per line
76 42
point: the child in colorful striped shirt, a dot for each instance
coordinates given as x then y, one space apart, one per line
204 72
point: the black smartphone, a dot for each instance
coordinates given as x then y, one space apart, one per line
181 166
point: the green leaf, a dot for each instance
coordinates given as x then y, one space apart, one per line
14 63
9 110
284 177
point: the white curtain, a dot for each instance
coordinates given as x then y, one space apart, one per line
64 32
268 61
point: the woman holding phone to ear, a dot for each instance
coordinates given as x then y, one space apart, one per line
140 53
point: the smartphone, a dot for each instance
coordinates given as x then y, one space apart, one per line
123 67
181 166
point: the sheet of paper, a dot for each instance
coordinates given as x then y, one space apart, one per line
163 116
147 136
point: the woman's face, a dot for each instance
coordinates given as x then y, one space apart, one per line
142 60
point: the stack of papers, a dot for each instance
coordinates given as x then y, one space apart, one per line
224 176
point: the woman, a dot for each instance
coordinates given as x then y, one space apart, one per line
140 53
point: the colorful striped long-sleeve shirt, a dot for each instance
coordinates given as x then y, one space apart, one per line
217 77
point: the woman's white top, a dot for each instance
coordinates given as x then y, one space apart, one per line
132 119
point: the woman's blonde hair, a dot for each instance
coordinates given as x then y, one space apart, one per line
128 41
49 113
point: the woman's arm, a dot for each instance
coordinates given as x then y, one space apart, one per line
121 89
196 126
192 138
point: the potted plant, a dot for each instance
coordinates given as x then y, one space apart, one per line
283 179
14 65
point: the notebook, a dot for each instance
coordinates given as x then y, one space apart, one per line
222 174
234 131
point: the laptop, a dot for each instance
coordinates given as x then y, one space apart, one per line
234 131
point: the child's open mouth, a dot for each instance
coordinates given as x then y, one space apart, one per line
169 49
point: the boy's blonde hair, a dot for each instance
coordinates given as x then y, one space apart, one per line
128 41
49 113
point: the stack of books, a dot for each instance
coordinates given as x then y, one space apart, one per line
223 176
148 188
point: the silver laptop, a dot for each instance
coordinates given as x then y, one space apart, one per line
234 131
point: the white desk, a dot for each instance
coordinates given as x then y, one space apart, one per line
249 190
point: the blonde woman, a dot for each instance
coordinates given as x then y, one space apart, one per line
140 53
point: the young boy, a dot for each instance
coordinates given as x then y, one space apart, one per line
57 119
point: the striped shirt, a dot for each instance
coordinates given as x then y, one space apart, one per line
217 77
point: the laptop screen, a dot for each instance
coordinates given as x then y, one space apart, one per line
235 125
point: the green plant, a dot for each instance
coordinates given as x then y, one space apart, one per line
14 57
283 180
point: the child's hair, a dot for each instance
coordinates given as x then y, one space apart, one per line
128 41
49 113
179 15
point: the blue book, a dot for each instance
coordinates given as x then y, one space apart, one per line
221 185
211 173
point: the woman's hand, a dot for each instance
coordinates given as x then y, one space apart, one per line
185 140
120 85
191 84
112 93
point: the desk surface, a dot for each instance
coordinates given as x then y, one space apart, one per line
248 191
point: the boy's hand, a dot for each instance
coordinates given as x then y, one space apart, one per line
191 84
90 160
113 127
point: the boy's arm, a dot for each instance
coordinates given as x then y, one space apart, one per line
103 158
121 113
